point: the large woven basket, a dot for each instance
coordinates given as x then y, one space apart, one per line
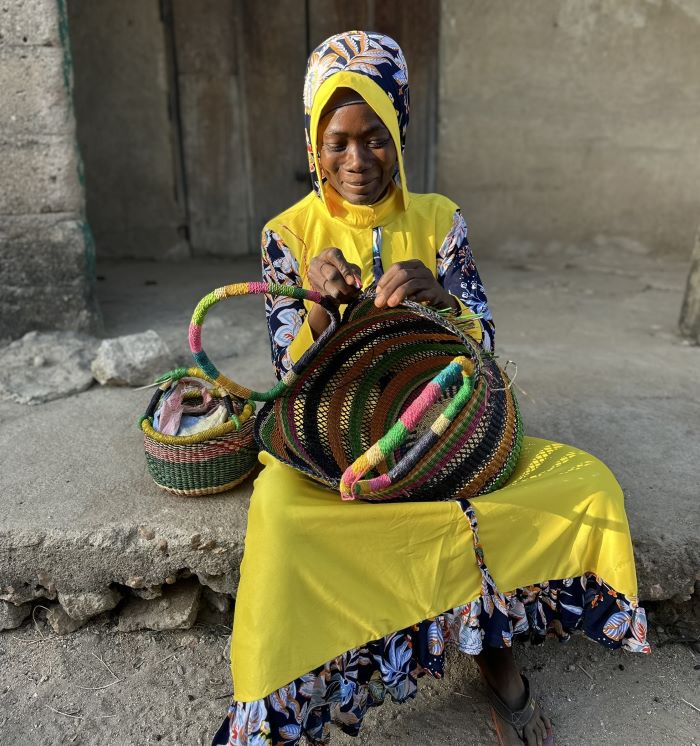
205 463
387 404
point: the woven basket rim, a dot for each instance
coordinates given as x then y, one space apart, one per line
185 440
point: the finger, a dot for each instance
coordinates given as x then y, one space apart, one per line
336 258
357 273
333 285
533 736
331 272
316 277
392 282
334 290
428 295
413 290
388 276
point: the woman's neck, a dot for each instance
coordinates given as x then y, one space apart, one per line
363 216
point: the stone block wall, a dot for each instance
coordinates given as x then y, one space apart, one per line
46 248
563 120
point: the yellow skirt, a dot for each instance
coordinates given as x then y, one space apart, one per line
321 576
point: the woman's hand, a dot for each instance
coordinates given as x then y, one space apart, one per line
332 276
412 280
335 278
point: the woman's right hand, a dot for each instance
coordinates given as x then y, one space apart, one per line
334 277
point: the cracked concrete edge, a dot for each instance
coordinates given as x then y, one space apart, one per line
40 565
37 565
666 572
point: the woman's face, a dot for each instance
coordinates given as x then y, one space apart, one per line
356 151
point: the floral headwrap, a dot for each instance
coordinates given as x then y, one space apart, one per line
372 65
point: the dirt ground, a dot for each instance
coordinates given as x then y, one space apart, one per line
98 687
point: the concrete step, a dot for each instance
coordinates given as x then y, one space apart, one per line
599 366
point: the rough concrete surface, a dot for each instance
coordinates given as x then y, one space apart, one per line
600 365
176 609
46 274
43 366
25 23
12 616
87 605
32 82
61 622
39 175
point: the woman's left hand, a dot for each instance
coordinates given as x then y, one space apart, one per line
412 280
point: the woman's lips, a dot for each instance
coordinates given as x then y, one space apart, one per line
359 184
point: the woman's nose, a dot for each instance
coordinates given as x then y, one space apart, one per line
356 158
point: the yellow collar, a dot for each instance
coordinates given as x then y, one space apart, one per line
364 216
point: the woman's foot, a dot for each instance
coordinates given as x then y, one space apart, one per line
512 695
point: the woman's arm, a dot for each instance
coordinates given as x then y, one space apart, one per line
329 273
284 315
457 273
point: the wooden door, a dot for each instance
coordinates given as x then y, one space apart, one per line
238 71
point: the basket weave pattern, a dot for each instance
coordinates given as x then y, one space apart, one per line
204 463
351 410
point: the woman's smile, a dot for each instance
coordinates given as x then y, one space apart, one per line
360 185
357 154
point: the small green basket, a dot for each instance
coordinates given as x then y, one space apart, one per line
205 463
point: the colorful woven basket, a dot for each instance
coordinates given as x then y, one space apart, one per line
203 463
387 404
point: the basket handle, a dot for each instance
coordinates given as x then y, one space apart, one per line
253 288
352 485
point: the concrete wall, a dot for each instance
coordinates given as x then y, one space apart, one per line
569 119
127 128
46 250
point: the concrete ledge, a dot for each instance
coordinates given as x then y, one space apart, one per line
600 366
86 517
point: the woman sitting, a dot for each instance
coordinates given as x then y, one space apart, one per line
341 603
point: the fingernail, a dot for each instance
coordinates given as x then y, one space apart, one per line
358 282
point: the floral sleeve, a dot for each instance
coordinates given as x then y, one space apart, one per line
284 315
457 273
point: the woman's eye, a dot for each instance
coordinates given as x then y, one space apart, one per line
334 147
376 144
